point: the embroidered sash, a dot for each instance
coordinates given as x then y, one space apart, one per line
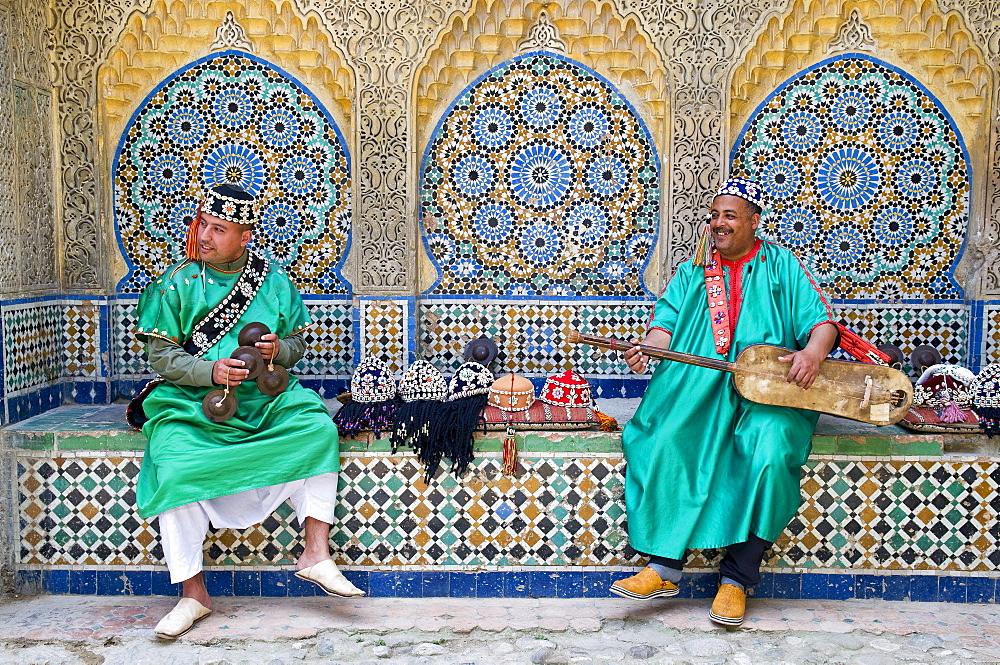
718 303
223 317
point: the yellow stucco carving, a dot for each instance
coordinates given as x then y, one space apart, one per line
934 48
594 33
172 34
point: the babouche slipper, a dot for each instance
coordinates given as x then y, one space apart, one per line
181 619
328 577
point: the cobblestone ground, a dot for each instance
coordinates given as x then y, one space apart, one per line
275 631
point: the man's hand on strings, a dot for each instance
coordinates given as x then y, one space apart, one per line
268 346
228 371
805 367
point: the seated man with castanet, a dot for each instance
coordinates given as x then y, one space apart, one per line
234 473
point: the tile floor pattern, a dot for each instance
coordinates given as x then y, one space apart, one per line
895 514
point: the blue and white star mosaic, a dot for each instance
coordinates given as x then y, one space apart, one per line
232 118
867 178
541 180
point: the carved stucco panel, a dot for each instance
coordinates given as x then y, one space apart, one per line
83 33
9 280
700 41
387 39
30 43
35 212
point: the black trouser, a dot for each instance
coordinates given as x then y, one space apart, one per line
741 563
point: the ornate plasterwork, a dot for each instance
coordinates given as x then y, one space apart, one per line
35 211
231 35
854 35
542 35
386 40
9 279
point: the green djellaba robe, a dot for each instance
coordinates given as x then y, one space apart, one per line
706 467
269 441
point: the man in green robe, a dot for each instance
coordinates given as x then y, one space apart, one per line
234 473
706 467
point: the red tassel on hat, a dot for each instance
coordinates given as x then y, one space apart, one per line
191 249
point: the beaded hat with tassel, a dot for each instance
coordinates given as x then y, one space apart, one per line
373 402
747 190
986 398
422 389
229 202
461 414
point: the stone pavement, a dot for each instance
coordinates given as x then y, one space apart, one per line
271 631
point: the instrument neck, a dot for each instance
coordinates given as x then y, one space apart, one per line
666 354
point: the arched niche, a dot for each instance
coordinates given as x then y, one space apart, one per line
540 180
234 117
869 179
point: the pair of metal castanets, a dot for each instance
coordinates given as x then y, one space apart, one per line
220 405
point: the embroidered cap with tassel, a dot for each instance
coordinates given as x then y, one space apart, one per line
229 202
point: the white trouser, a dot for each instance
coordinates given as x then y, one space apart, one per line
183 529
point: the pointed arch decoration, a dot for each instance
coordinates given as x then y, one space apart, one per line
234 117
594 34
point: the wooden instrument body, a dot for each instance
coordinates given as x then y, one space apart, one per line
873 394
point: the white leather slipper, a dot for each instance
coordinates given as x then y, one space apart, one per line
328 577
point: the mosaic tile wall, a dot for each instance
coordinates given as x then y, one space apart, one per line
942 326
231 117
868 176
541 179
32 345
886 514
530 335
991 334
386 328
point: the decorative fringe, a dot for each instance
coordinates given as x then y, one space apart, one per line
191 249
989 420
509 453
452 436
413 425
607 423
355 417
703 252
952 414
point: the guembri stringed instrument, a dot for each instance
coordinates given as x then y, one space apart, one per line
873 394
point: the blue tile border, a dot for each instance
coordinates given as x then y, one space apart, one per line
539 583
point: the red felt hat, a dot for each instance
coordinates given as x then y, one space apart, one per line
567 389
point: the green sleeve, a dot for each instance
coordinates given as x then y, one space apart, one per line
667 308
178 366
159 311
291 351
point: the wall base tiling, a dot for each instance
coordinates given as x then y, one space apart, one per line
925 516
525 583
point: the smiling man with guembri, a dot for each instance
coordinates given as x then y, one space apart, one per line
706 467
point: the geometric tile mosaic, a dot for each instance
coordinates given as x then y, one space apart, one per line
540 180
893 514
991 335
944 327
329 341
127 351
867 176
81 339
531 337
234 118
32 341
384 331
